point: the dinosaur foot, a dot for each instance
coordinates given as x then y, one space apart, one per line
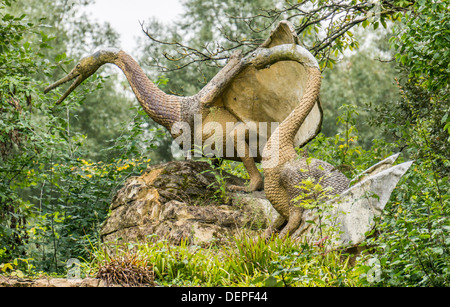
270 233
255 185
294 222
247 189
237 188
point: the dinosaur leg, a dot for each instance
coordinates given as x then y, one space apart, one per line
275 227
256 180
279 198
295 219
221 118
242 148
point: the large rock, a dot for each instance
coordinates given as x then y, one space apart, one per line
352 214
50 283
180 201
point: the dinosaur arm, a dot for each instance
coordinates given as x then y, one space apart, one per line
215 88
260 58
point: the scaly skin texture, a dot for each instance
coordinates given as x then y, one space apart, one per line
162 108
282 169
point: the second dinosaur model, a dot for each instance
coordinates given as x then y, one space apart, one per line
292 182
284 171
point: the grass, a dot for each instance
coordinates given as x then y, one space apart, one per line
245 261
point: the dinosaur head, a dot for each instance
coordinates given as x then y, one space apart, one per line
83 70
264 57
259 58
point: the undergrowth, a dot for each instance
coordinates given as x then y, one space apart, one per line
245 261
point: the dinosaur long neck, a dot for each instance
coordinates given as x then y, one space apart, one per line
290 126
162 108
281 142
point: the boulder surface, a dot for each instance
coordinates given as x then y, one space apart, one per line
182 200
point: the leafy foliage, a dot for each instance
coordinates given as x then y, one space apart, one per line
74 35
52 201
352 82
247 261
205 35
412 248
20 142
422 43
411 245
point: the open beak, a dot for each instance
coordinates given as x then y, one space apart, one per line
72 75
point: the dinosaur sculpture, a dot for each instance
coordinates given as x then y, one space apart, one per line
239 94
290 180
282 169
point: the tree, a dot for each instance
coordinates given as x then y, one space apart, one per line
324 26
74 35
363 79
194 48
52 198
20 142
422 49
414 248
423 44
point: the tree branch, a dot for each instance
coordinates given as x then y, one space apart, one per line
339 17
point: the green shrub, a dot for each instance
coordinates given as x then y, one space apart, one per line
246 261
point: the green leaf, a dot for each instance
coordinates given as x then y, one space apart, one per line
7 17
44 36
270 282
60 57
365 23
258 279
6 266
376 25
403 59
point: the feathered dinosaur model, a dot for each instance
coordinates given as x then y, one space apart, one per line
240 95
